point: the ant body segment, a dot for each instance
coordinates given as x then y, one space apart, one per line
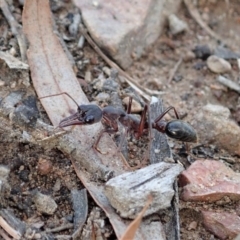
110 116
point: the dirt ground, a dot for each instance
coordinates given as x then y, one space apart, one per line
193 85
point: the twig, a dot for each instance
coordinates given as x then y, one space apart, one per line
4 235
175 69
60 228
63 237
15 234
131 81
15 28
196 16
228 83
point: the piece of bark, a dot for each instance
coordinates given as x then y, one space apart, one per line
159 145
52 73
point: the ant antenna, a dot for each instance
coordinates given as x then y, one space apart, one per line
57 94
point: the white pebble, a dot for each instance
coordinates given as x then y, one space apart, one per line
218 65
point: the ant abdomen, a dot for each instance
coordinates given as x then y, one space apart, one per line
181 131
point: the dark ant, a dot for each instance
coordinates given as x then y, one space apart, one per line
110 116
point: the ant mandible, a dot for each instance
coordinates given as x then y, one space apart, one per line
110 116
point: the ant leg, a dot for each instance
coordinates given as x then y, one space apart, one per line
147 154
58 94
165 112
107 130
129 106
142 122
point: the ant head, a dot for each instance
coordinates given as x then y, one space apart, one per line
181 131
89 114
86 114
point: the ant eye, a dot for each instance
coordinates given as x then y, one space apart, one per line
89 119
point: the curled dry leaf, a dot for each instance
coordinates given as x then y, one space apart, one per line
52 73
134 225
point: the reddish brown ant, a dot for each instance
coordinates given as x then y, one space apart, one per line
110 116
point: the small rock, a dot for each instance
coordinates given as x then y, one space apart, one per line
13 85
2 83
136 106
213 126
44 203
4 172
107 71
24 175
44 166
57 185
8 104
4 185
103 96
202 52
73 27
110 85
128 192
188 56
81 42
199 65
192 225
218 65
125 30
176 25
222 224
88 77
226 53
209 181
26 113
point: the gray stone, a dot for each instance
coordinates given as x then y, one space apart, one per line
44 203
176 25
103 96
128 192
213 126
125 29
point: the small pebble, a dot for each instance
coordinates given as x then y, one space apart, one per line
13 51
2 83
202 52
57 185
24 175
218 65
192 225
4 172
44 166
44 203
103 96
176 25
107 71
13 84
88 77
81 42
188 56
136 106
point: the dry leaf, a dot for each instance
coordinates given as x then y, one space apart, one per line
134 225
